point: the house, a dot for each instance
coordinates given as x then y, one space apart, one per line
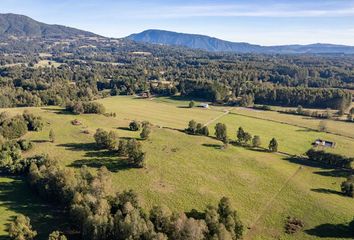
323 143
203 105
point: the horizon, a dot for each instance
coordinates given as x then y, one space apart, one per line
265 23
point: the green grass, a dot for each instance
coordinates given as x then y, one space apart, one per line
186 172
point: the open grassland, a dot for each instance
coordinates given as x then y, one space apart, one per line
189 172
336 127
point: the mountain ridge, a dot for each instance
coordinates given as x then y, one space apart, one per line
203 42
23 26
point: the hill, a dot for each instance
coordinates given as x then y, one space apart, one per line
207 43
23 26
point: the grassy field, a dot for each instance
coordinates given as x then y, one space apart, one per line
189 172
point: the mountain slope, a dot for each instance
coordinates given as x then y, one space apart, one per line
217 45
23 26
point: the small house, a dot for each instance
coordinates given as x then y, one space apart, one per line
323 143
204 105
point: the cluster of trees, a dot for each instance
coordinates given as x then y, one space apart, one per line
331 159
85 107
11 159
306 97
245 139
130 149
195 128
99 212
347 186
17 126
146 128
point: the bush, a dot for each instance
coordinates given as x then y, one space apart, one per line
191 104
135 154
25 145
293 225
145 133
256 141
21 229
273 145
104 139
12 128
347 186
34 123
134 126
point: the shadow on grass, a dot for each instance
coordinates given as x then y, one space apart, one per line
124 128
40 141
16 196
215 146
306 162
58 111
336 173
327 191
113 165
331 231
80 146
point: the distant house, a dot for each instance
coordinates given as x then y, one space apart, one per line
323 143
203 105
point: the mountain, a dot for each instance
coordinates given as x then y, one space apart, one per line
23 26
207 43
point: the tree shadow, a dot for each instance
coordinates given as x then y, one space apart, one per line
215 146
183 106
16 196
58 111
306 162
336 173
40 141
331 231
79 146
327 191
124 128
113 165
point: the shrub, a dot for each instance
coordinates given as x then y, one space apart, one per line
34 123
13 127
256 141
145 133
347 186
21 229
293 225
191 104
273 145
104 139
134 126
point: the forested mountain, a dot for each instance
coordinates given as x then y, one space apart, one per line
202 42
23 26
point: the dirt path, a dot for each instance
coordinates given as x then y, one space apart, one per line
227 111
267 207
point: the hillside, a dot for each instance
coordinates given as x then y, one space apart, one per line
207 43
23 26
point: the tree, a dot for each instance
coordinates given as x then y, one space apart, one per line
347 186
299 109
192 127
21 229
273 145
221 132
145 133
256 141
191 104
51 136
56 235
135 154
240 135
134 126
322 126
205 131
230 218
105 139
247 137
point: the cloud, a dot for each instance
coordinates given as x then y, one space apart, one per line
303 9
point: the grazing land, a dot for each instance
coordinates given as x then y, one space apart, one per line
188 172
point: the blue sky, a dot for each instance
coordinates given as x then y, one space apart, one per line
266 22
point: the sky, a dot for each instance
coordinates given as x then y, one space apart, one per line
265 22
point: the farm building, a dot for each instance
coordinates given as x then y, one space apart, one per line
203 105
323 143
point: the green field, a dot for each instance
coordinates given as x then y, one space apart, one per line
186 172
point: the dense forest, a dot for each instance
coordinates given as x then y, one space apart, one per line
89 68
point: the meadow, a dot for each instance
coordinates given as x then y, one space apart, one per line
188 172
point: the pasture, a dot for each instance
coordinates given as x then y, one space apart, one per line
188 172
